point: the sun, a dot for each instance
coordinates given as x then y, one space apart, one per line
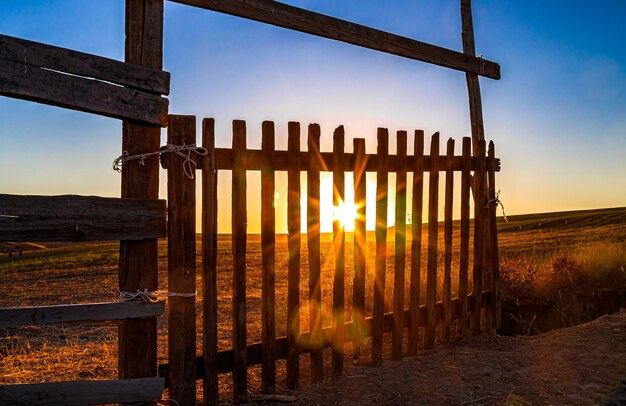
346 213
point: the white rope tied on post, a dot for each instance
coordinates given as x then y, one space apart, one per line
184 151
150 296
497 202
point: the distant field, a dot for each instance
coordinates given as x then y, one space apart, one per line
542 255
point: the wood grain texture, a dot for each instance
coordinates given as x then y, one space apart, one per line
239 234
255 160
35 315
209 265
447 237
268 259
313 238
82 64
465 234
181 265
416 242
494 255
378 308
294 18
479 244
433 229
294 240
360 266
400 248
138 268
79 218
339 246
39 85
75 393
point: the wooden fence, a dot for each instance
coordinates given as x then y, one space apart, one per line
477 310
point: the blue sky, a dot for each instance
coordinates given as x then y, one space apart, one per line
558 115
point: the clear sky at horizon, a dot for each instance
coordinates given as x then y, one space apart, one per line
558 115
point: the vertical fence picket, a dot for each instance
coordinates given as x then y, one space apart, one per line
358 287
493 235
293 225
339 245
313 237
209 264
381 246
400 248
416 242
239 220
479 209
465 233
268 246
181 251
433 229
447 234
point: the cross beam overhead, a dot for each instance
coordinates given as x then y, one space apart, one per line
294 18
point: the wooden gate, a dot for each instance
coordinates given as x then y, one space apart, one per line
431 310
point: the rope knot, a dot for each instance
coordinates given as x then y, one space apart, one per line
497 202
189 164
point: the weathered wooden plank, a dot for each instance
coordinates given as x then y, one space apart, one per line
138 268
378 308
465 233
358 286
294 239
479 224
181 265
433 229
400 248
254 351
239 224
268 259
416 242
209 265
255 161
473 84
34 315
293 18
79 218
58 89
494 258
82 64
339 245
313 239
83 392
447 236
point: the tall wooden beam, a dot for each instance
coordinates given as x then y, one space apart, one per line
138 259
294 18
473 85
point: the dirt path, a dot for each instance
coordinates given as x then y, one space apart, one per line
583 365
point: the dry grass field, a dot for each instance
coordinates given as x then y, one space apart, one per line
561 260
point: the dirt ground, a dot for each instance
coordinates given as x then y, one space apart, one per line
582 365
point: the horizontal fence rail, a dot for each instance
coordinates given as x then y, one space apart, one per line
426 322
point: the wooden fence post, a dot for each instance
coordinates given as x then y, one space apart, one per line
493 233
209 264
293 225
358 287
465 233
239 221
268 245
479 244
381 246
313 237
339 244
181 252
400 248
416 242
447 234
138 263
433 228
